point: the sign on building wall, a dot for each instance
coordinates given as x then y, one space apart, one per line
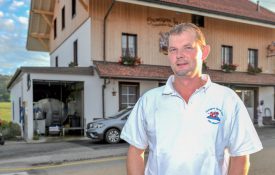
271 49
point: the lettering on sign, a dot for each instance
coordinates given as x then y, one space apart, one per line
162 22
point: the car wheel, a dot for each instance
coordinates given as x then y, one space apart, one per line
112 136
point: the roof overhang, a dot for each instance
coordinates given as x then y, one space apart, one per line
40 25
141 72
202 12
113 70
50 70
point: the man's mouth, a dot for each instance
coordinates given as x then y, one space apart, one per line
182 64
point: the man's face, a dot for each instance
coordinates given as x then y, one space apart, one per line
185 54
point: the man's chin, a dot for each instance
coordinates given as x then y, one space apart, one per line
181 73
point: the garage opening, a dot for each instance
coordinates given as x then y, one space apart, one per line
58 107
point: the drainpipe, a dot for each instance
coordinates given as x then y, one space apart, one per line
103 95
104 56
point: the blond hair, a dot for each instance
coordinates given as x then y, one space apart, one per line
178 29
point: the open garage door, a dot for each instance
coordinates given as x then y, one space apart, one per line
58 107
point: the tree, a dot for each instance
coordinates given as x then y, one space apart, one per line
4 94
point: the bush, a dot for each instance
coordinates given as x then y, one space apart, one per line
10 130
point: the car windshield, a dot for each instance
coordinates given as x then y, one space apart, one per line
120 113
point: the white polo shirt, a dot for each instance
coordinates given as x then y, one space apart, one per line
191 139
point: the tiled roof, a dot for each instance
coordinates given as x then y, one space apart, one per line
143 72
153 72
242 9
242 78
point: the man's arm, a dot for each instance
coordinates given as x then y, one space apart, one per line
135 161
239 165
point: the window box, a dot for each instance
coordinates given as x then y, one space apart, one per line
129 61
229 67
253 70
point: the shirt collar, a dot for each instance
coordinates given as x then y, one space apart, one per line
170 90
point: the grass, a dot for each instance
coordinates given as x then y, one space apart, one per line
5 111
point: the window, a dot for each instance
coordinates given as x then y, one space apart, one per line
63 18
253 57
227 55
54 29
128 94
75 53
56 61
73 8
129 45
198 20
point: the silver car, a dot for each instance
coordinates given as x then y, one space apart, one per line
108 129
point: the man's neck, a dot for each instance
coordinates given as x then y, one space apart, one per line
186 86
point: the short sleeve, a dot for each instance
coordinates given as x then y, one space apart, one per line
134 131
243 139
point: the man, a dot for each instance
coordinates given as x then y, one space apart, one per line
260 112
190 123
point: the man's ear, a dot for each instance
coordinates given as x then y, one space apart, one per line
205 52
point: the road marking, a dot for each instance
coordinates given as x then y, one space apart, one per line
60 165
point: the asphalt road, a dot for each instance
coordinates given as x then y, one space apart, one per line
263 162
23 149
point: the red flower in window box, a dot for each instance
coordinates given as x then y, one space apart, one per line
129 60
229 67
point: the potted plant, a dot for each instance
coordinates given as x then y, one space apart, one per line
229 67
129 60
253 69
204 66
71 64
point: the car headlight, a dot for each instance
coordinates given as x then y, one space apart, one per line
96 125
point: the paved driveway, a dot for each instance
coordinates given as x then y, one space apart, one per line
263 162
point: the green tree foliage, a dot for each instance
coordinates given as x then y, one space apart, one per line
4 94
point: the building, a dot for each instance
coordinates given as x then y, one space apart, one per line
90 43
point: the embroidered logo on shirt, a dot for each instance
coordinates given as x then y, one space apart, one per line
214 115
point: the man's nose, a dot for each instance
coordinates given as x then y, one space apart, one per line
180 54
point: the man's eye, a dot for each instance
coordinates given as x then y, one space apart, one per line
189 48
172 50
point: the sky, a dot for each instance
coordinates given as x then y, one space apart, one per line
14 16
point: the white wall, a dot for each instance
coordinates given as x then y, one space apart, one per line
28 102
19 90
147 85
267 94
65 50
15 94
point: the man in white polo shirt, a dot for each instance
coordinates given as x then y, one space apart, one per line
191 126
